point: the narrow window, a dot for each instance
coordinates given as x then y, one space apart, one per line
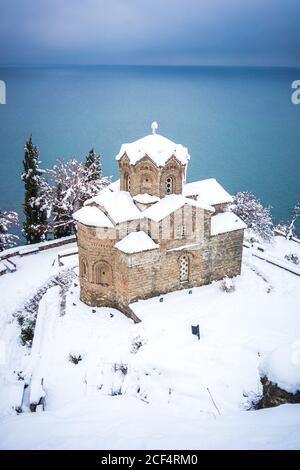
181 231
169 185
83 268
127 182
184 269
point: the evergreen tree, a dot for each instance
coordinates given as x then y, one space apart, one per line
7 219
35 202
63 198
93 166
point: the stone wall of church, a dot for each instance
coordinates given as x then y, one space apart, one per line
109 277
96 264
225 254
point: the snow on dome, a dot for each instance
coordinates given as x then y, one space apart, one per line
169 204
209 191
145 198
136 242
226 222
118 204
157 147
282 367
91 215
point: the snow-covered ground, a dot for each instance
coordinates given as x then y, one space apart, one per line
152 384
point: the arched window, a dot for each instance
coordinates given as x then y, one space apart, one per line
84 271
169 185
127 182
184 268
102 274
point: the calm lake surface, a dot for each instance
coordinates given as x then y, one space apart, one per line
239 123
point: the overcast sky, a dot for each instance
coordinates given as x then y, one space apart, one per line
231 32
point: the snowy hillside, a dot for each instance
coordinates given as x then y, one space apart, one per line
151 384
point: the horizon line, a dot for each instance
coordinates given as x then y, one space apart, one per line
53 65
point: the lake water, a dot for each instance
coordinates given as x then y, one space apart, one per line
239 123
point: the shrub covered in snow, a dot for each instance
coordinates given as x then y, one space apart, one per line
227 285
75 358
27 332
257 217
293 258
7 219
280 376
120 367
137 343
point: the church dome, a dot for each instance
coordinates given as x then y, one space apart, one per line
156 147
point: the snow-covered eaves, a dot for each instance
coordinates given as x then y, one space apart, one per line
209 191
114 186
136 242
118 205
92 216
226 222
282 367
158 148
192 246
146 198
171 203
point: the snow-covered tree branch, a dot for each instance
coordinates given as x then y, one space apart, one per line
288 229
72 183
257 217
7 219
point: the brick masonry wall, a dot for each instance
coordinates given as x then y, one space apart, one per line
153 272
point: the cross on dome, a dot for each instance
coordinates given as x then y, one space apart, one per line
154 127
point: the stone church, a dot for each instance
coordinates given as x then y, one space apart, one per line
150 232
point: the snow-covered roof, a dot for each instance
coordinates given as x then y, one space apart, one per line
136 242
114 186
282 367
146 198
171 203
226 222
156 147
118 204
209 191
91 215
